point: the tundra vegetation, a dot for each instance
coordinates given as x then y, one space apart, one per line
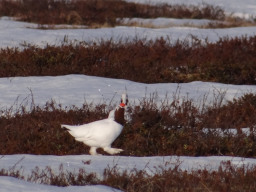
174 128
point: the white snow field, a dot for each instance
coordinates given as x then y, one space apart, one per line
17 34
72 90
15 185
76 90
72 163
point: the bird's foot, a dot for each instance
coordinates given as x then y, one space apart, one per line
93 151
112 151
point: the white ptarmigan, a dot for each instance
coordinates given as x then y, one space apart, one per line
101 133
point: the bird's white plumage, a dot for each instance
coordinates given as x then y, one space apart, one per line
111 114
96 134
99 134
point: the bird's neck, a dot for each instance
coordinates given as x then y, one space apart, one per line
119 115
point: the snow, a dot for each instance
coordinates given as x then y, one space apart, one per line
16 34
13 184
72 163
27 163
75 90
226 132
168 22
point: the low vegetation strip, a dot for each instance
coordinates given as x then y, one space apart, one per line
176 128
229 60
227 178
95 13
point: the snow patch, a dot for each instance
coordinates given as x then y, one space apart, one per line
75 90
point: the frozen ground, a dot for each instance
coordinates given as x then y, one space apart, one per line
76 89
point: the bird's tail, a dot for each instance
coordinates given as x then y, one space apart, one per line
66 127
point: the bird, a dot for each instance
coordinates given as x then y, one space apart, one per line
101 133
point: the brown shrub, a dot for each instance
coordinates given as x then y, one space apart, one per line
230 60
172 129
228 177
39 132
239 112
74 18
101 12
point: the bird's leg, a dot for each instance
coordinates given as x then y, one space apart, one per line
93 151
112 151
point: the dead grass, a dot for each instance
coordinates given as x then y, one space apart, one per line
227 178
228 22
229 60
100 12
174 128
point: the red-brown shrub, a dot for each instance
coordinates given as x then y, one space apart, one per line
171 129
227 178
100 12
229 60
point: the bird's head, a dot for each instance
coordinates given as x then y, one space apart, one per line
124 100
